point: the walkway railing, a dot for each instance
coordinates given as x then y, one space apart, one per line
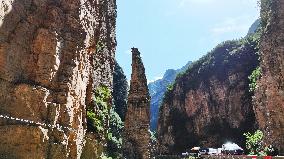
34 123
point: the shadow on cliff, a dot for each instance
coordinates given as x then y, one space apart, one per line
16 33
215 119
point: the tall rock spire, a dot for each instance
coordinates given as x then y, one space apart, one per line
136 131
138 83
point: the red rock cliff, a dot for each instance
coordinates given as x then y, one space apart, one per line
53 53
136 137
269 96
210 103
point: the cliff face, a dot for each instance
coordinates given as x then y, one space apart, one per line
269 97
52 55
157 90
210 103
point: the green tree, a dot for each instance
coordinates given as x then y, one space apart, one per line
255 144
256 74
104 120
114 141
98 112
120 88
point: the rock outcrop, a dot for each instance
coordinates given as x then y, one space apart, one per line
157 90
53 53
269 96
136 136
210 103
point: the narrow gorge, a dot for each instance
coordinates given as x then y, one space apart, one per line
67 90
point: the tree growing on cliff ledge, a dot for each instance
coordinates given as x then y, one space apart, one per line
256 74
255 144
120 88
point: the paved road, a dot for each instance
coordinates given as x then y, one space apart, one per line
219 157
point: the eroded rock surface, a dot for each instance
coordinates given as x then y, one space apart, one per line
136 136
210 104
52 55
269 97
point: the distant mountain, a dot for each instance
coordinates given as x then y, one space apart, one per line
253 28
157 90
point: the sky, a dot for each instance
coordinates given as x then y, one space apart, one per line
169 33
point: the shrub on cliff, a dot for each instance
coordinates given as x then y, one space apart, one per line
105 118
226 68
117 112
120 88
255 144
98 112
217 60
266 11
114 142
102 119
253 79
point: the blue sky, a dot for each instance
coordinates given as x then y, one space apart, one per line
169 33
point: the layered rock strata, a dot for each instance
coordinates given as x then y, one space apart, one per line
53 53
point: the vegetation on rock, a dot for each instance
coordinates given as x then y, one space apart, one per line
157 90
255 144
105 122
268 97
206 65
202 102
266 11
98 112
115 135
256 74
120 91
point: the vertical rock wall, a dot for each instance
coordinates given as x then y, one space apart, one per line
52 55
269 97
210 104
136 137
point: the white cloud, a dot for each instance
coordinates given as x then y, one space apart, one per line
216 3
183 3
159 77
232 25
155 79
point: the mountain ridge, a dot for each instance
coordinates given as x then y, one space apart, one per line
157 90
211 103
